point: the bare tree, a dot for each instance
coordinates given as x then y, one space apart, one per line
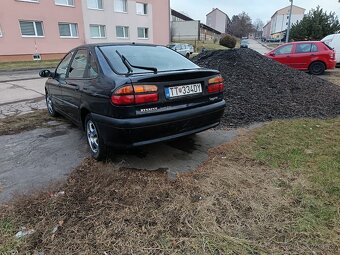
258 25
241 25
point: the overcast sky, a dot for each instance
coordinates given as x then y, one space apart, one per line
262 9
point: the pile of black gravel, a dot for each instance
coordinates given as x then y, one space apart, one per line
260 89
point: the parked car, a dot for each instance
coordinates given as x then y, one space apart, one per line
182 48
333 41
127 95
244 44
312 56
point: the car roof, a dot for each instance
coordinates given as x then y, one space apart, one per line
299 42
93 45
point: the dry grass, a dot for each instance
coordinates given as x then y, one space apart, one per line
236 203
18 123
24 65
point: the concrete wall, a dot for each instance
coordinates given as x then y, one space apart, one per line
185 30
13 43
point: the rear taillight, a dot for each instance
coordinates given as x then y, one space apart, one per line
216 84
135 94
333 55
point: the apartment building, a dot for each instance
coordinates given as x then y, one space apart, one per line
266 31
218 20
279 20
47 29
142 21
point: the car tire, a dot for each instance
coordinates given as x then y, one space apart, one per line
50 106
317 68
96 143
187 55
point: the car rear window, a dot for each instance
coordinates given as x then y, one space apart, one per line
162 58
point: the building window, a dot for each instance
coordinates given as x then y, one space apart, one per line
31 28
122 32
143 33
141 9
68 30
30 1
97 31
120 5
64 2
95 4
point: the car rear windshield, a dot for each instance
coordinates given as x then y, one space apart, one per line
159 57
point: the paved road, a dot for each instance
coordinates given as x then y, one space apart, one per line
255 45
21 92
32 160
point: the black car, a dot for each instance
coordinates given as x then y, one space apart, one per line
127 95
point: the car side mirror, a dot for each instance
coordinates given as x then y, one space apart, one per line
46 73
272 54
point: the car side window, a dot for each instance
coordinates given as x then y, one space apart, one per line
303 48
78 65
287 49
314 48
93 67
63 66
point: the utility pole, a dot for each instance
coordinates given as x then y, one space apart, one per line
290 20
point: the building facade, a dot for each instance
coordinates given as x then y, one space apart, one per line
266 31
218 20
279 20
144 21
47 29
184 28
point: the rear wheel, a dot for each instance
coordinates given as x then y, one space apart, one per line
187 55
50 107
95 141
317 68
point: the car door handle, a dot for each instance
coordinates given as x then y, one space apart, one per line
75 86
312 55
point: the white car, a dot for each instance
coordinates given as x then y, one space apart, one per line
333 41
182 48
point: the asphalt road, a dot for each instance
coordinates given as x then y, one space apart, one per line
255 45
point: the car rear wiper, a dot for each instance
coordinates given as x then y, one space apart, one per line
130 66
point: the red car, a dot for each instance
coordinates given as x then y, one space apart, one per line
312 56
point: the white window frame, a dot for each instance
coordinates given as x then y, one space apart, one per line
98 25
124 32
147 9
91 8
29 1
1 32
144 28
35 28
126 6
69 25
67 5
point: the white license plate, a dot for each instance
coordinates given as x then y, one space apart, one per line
183 90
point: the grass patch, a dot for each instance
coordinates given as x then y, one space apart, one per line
8 243
209 45
19 123
273 191
24 65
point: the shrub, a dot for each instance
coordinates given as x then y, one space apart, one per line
228 41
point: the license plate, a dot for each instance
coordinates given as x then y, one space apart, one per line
183 90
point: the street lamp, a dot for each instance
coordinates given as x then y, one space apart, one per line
290 19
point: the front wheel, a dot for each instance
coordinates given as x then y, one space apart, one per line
317 68
95 141
50 107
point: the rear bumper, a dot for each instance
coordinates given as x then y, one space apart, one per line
157 128
331 64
